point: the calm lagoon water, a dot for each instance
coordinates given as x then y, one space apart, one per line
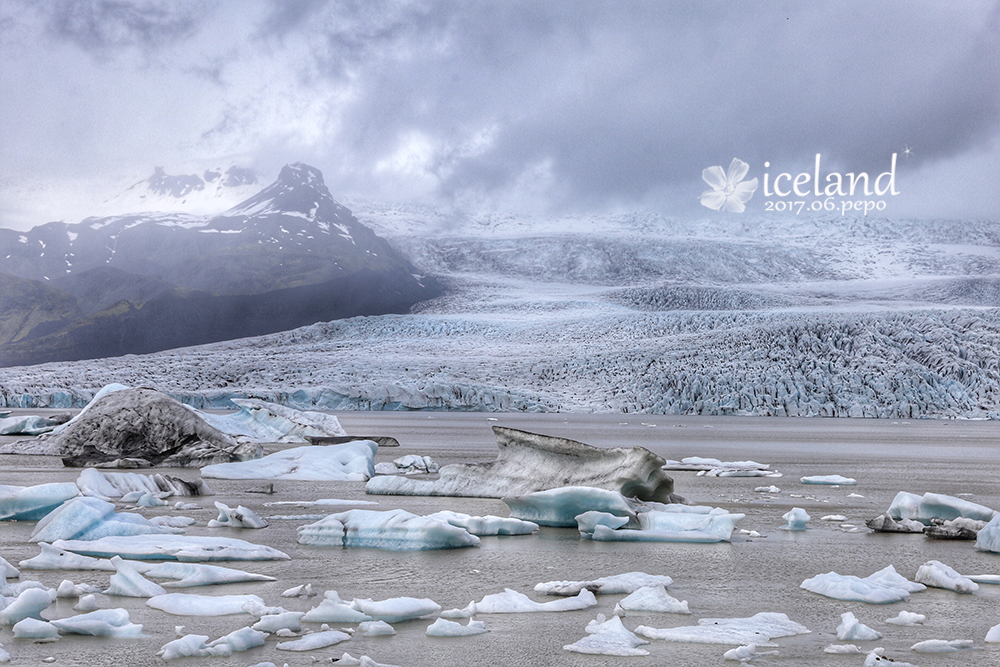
736 579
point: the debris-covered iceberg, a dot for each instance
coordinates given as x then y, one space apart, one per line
529 462
936 506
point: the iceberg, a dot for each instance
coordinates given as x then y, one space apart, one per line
101 623
943 646
883 587
334 610
884 523
376 629
127 582
486 525
512 602
762 627
907 618
617 584
8 571
938 575
31 424
186 604
560 506
851 629
608 637
107 485
745 653
314 641
276 622
33 628
187 548
993 635
410 464
241 517
444 628
29 604
988 538
52 558
529 462
936 506
395 610
837 480
137 427
86 603
588 521
91 519
653 598
658 526
354 461
31 503
243 639
260 421
795 519
197 574
395 530
192 646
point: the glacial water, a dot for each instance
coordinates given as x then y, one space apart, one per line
737 579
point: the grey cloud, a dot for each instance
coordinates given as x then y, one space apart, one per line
100 25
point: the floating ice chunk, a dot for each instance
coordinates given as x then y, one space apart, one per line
936 506
993 635
746 653
617 584
833 517
30 424
658 526
767 489
465 612
4 655
395 530
321 501
283 620
187 548
334 611
839 480
884 523
395 610
512 602
241 517
314 641
882 587
53 558
103 484
185 604
851 629
29 604
653 598
842 649
101 623
485 525
587 521
352 461
608 637
795 519
127 582
984 578
67 589
243 639
192 646
445 628
186 507
86 603
907 618
173 521
302 590
876 658
269 422
34 502
8 571
989 537
376 628
937 574
33 628
408 465
560 507
943 646
92 519
198 574
758 628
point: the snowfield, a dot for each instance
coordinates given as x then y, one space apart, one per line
846 318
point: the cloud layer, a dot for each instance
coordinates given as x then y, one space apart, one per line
538 106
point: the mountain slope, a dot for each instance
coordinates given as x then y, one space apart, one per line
288 256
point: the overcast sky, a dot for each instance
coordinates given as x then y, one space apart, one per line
541 107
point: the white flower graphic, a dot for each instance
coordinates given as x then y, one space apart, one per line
727 191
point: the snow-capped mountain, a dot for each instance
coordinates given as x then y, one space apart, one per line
287 256
204 191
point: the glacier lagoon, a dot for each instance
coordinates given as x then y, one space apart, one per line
737 579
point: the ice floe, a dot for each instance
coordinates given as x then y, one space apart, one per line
560 506
189 548
851 629
628 582
710 467
512 602
444 628
745 653
101 623
396 610
186 604
882 587
108 485
608 637
659 526
993 635
907 618
261 421
33 628
411 464
877 657
588 521
127 582
31 503
395 530
943 646
30 603
276 622
332 609
795 519
836 480
31 424
553 462
192 646
375 629
241 517
652 598
988 538
486 525
758 628
353 461
936 506
91 519
315 641
938 575
885 523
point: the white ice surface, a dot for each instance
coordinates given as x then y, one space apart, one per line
444 628
314 641
758 629
485 525
628 582
395 610
91 519
185 604
839 480
560 507
34 502
33 628
352 461
188 548
395 530
936 506
512 602
851 629
882 587
938 575
608 637
653 598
